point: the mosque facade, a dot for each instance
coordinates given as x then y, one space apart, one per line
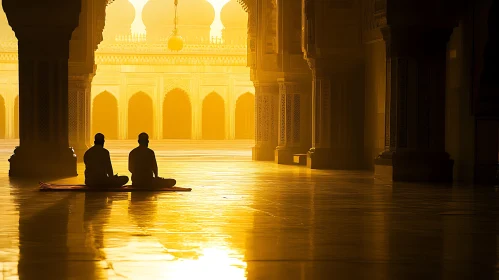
203 91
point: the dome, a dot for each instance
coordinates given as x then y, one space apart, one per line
119 17
195 12
194 19
233 15
157 13
190 12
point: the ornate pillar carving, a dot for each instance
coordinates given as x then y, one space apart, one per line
294 85
43 86
289 131
79 112
415 108
82 69
266 103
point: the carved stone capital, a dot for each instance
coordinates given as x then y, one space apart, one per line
271 88
43 21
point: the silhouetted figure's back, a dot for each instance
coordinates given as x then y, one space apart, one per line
144 168
142 163
98 168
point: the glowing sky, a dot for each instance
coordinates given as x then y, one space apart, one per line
138 27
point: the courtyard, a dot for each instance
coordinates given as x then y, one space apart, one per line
246 220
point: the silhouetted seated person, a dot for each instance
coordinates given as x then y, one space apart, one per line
144 168
98 168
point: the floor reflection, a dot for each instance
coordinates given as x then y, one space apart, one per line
249 220
175 244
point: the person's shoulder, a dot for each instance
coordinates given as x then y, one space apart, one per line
150 150
90 150
87 152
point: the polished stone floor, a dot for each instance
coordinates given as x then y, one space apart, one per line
247 220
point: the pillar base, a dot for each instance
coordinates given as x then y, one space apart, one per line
383 167
43 163
80 152
284 155
319 158
415 166
263 153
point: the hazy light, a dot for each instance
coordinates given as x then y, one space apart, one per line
138 26
139 29
217 25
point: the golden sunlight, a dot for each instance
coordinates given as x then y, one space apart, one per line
139 29
217 26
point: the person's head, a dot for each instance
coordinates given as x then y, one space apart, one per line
143 139
99 139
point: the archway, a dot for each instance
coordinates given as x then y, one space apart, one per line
140 115
213 117
2 118
16 117
177 115
245 116
105 115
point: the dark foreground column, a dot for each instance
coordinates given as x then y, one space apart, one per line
43 31
319 156
416 105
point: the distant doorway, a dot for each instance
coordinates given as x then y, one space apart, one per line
213 117
177 115
245 116
16 117
105 115
140 115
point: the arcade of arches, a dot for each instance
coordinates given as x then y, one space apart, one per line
408 91
175 117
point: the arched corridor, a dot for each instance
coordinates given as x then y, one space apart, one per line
177 115
105 115
140 115
213 117
2 117
16 117
245 116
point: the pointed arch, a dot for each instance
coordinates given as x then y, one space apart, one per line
105 115
16 117
177 115
245 116
140 115
2 117
213 121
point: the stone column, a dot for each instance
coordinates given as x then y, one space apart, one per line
319 156
383 167
266 95
79 113
415 144
43 33
289 135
